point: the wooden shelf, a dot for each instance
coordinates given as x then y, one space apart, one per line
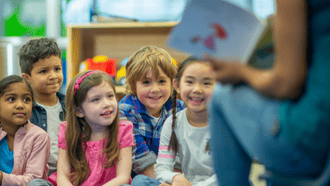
114 40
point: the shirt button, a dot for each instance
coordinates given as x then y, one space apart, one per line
44 125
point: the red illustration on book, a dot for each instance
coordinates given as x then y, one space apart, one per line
219 33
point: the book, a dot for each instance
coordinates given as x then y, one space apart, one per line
218 28
263 54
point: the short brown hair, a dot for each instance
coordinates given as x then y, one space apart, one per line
141 61
34 50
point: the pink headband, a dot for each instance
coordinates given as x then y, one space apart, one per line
79 80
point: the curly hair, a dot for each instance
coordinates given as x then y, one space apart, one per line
34 50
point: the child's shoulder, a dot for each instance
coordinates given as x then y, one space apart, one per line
129 103
34 131
125 125
60 96
127 100
179 105
125 133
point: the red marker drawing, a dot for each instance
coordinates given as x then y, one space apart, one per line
209 41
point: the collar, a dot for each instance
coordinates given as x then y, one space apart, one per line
20 132
61 98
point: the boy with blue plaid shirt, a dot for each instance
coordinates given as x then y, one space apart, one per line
149 84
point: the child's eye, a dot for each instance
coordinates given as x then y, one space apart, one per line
95 99
42 72
189 82
207 83
111 95
27 99
58 69
146 82
11 99
162 81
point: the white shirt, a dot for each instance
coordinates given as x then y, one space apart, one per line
53 126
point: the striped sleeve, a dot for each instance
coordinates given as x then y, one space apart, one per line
166 158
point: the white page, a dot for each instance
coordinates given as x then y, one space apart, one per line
241 28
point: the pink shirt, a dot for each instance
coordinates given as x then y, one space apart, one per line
31 152
98 175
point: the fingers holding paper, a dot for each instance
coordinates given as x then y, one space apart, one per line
226 72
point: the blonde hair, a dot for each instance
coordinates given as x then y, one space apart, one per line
78 130
141 61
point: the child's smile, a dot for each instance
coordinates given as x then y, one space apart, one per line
196 86
196 100
153 93
100 106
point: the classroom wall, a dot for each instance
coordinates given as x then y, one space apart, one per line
2 62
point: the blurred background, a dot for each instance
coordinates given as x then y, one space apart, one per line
21 20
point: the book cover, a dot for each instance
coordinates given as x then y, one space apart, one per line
263 54
218 28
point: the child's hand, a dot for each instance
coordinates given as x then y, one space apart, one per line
180 180
226 72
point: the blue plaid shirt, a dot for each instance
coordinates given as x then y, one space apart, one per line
147 129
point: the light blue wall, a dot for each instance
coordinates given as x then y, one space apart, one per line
78 11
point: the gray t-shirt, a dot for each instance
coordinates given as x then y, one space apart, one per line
53 126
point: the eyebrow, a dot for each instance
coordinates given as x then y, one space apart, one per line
192 77
10 94
163 76
98 95
14 94
27 94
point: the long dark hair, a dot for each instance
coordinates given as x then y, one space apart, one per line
173 144
79 131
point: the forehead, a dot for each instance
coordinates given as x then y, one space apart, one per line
48 62
150 74
104 87
198 69
18 88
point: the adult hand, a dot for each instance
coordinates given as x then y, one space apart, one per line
226 72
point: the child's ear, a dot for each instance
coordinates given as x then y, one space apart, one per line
79 113
26 76
176 85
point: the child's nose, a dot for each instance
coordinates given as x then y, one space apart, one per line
19 104
198 88
155 88
106 103
53 75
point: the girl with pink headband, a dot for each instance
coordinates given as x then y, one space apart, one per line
95 148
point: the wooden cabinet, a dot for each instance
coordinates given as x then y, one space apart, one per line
115 40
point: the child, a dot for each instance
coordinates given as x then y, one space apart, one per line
95 148
41 66
149 75
289 134
186 133
24 147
